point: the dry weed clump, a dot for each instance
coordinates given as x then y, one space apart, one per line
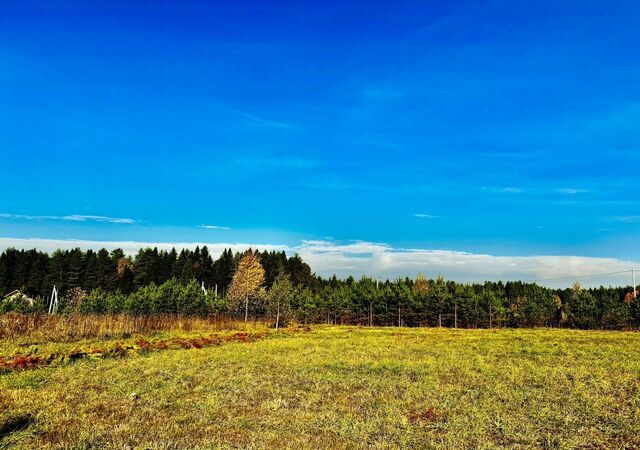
120 349
65 328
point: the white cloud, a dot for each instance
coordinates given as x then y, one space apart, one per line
424 216
626 219
380 259
384 260
214 227
534 191
273 162
353 248
504 190
572 191
129 247
70 218
260 120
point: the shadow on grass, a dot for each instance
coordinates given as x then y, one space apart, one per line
14 424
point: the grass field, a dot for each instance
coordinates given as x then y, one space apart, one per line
338 387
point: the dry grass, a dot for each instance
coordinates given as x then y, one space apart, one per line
35 359
37 328
341 387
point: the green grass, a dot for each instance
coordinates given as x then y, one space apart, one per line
342 387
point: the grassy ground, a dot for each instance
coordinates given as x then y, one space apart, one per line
341 387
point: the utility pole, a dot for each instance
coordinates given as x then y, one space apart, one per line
490 316
370 308
53 304
455 314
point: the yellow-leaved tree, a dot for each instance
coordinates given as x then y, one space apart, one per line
421 286
247 280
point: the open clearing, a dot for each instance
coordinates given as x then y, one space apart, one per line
340 387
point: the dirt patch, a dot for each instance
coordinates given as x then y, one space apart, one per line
139 346
428 415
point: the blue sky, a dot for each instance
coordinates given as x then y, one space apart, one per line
498 128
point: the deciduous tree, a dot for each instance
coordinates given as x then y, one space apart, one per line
279 299
247 280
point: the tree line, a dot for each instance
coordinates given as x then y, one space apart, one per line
35 273
279 288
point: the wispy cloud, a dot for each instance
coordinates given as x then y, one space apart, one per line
263 121
214 227
330 185
571 191
260 120
626 219
424 216
382 94
70 218
273 162
504 190
535 191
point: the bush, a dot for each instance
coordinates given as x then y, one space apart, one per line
115 303
171 297
96 302
166 300
191 300
139 303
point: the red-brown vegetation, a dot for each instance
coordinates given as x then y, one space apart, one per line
429 415
139 345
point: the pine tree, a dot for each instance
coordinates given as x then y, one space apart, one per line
299 271
223 270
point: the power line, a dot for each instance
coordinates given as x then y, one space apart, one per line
579 276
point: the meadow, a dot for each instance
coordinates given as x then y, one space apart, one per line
324 387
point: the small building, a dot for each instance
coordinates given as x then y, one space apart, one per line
18 297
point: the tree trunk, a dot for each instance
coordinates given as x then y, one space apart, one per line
455 316
490 316
440 320
278 315
399 320
246 309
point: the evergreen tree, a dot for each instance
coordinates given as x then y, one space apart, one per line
223 270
